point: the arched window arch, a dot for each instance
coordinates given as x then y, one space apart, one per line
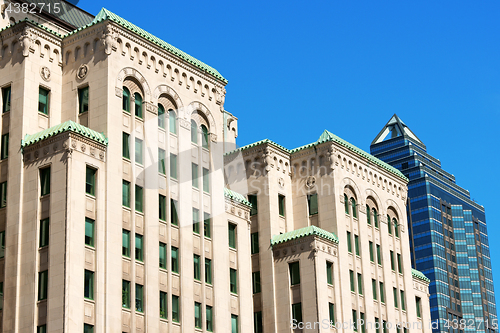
396 227
346 204
389 225
375 217
138 105
368 215
161 116
126 99
194 132
353 207
204 136
172 121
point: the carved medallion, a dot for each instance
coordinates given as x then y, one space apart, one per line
45 73
82 72
281 182
310 181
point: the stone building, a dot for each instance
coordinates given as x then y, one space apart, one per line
114 215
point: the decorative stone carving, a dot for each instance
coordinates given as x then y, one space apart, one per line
45 73
26 41
101 155
82 72
185 123
213 137
281 182
45 150
108 39
310 182
83 148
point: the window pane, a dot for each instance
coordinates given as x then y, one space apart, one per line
174 219
126 193
396 229
126 145
138 151
331 310
83 99
42 285
395 294
329 272
206 180
138 247
294 268
281 205
379 255
161 162
356 244
234 323
209 318
351 279
44 232
5 147
374 289
370 246
233 281
88 328
126 294
196 221
207 221
3 194
173 166
252 198
43 100
256 282
400 268
368 215
232 235
162 204
375 217
175 308
139 304
257 322
194 174
197 267
90 181
313 203
138 105
161 116
194 132
197 315
354 208
297 312
175 259
254 243
89 232
41 329
2 244
346 204
382 294
393 264
389 226
126 100
45 181
163 255
172 120
204 136
403 303
349 242
163 305
138 198
89 285
126 243
6 99
208 271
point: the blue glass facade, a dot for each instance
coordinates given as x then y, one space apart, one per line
448 234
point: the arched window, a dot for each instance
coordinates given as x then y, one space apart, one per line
126 99
346 204
172 121
375 217
161 116
368 217
204 136
396 227
138 105
194 132
389 226
353 206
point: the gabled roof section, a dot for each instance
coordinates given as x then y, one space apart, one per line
419 275
69 126
261 142
236 197
394 128
328 136
304 232
105 14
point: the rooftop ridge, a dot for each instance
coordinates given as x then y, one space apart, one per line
419 275
304 232
236 197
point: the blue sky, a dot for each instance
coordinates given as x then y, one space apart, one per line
297 68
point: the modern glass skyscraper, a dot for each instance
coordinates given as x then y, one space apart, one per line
448 234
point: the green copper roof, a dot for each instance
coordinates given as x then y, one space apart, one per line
256 144
67 12
105 14
419 275
304 232
64 127
236 197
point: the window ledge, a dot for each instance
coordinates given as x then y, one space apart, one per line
90 196
139 213
138 118
126 309
90 247
207 238
176 226
89 300
164 270
139 262
43 114
126 258
176 274
126 208
164 320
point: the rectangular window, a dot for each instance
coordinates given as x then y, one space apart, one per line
355 320
161 162
162 205
395 294
89 285
2 244
258 326
351 279
163 255
139 198
44 232
396 228
6 99
43 278
356 244
374 289
138 151
360 284
403 303
83 100
393 264
209 318
197 315
297 312
349 242
88 328
126 243
197 267
163 305
3 194
43 100
126 193
377 325
400 267
89 232
44 181
126 294
90 181
208 271
206 180
331 310
5 147
312 203
252 198
281 205
175 309
382 294
139 298
379 255
418 302
175 259
233 274
126 145
294 269
232 235
174 218
161 116
1 295
234 323
362 322
196 221
194 174
389 225
207 221
173 166
370 246
256 282
329 273
254 243
139 254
